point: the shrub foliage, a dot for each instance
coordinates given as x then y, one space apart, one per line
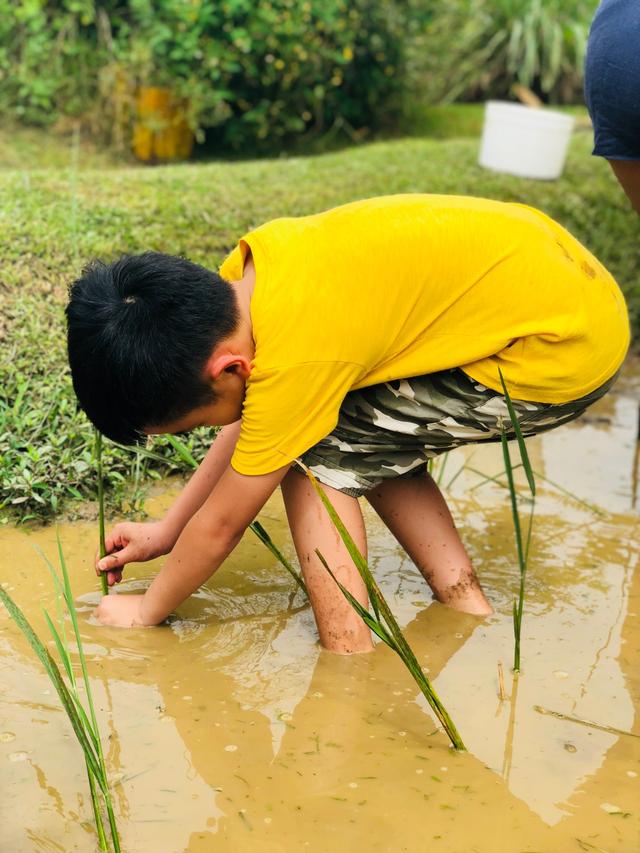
474 49
258 72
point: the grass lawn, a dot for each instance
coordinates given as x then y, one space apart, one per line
54 218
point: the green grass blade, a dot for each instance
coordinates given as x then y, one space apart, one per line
63 651
523 550
529 532
378 602
61 639
359 561
101 775
517 624
55 676
182 451
489 478
266 540
522 562
594 509
68 595
376 626
411 662
62 644
115 837
524 456
97 814
142 451
71 607
513 498
380 606
103 548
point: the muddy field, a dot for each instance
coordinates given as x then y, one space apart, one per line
230 730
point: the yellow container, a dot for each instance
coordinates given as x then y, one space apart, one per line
161 133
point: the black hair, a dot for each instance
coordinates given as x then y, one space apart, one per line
139 333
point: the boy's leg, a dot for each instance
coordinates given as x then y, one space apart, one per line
416 513
341 629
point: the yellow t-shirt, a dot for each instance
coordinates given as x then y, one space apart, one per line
405 285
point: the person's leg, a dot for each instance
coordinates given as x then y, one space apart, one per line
628 173
341 629
611 81
416 513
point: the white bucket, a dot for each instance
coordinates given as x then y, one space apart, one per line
524 141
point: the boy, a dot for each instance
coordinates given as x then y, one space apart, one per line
363 341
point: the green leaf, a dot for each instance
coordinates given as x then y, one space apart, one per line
376 626
521 443
182 451
266 540
62 649
103 548
350 545
380 606
513 498
101 776
56 679
66 660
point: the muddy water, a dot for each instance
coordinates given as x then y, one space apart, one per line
230 730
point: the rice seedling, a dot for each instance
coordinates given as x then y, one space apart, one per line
580 501
103 547
266 540
522 546
382 621
85 725
495 478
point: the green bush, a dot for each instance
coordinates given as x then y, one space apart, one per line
257 72
50 54
474 49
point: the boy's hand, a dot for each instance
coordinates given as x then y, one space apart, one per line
121 611
131 542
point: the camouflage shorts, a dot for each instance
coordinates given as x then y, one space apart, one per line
392 429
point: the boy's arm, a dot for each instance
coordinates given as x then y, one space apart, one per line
136 542
207 539
201 483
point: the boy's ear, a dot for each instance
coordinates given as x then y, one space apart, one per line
229 363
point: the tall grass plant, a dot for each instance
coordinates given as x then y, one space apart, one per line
523 541
474 49
382 621
83 720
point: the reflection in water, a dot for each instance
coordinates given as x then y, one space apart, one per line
508 743
230 729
